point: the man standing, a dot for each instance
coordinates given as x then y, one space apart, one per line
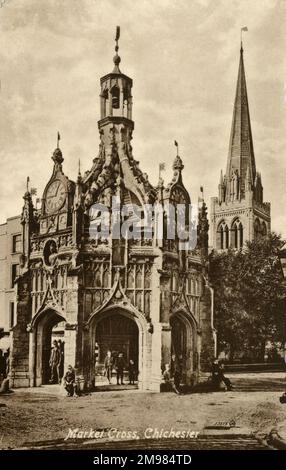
60 367
54 362
120 363
108 365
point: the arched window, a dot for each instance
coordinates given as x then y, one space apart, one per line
222 236
115 97
237 234
235 231
263 229
257 229
104 99
226 236
240 230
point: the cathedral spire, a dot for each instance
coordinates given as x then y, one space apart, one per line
241 153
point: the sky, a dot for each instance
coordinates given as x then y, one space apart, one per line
183 57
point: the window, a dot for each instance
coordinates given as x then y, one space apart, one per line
237 235
15 273
12 315
16 243
115 97
223 236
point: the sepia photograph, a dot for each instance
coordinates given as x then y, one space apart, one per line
142 230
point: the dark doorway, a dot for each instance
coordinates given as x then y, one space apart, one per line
116 333
49 328
179 343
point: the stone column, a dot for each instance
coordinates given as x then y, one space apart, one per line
19 375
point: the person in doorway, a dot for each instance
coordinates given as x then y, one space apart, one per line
70 383
218 375
54 362
60 367
108 365
167 378
132 372
120 364
177 373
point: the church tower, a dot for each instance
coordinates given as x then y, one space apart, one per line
239 214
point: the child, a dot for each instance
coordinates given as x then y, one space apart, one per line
132 372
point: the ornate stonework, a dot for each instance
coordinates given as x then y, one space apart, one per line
94 286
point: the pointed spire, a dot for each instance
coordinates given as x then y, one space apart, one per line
116 58
221 178
241 153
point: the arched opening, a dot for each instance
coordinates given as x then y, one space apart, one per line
115 97
257 229
263 229
240 231
237 234
226 237
104 100
222 236
117 332
182 346
49 328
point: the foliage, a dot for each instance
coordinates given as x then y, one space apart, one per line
250 295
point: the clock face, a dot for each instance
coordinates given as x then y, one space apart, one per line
55 197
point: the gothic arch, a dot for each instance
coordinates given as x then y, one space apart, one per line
222 236
257 229
40 342
184 340
263 229
131 313
236 234
115 97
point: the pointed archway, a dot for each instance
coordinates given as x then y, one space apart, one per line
42 334
183 341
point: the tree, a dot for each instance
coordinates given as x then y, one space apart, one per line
250 296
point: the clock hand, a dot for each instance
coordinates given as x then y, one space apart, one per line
57 189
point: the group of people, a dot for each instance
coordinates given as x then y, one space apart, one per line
118 363
173 375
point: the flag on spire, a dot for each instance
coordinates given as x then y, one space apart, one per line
245 28
58 139
117 33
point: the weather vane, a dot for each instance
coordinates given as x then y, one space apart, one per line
117 36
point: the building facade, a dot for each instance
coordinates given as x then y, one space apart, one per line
239 213
10 250
144 297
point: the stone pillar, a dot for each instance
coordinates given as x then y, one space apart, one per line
73 329
19 375
32 358
206 330
166 344
156 358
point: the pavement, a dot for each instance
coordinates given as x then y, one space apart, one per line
249 417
